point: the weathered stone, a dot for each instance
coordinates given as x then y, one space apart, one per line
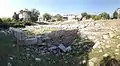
84 61
82 26
47 53
96 45
116 50
52 48
37 59
43 53
105 55
118 37
57 54
13 45
9 64
62 47
54 51
53 61
28 54
30 41
27 49
107 46
91 64
93 59
117 53
100 50
39 40
111 35
118 46
68 48
105 37
66 61
19 34
11 58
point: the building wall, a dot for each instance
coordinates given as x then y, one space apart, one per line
71 17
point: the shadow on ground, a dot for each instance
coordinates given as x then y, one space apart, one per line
5 45
78 56
108 61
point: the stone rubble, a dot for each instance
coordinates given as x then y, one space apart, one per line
30 41
62 47
93 30
37 59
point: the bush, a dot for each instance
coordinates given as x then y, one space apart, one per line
28 23
1 20
18 25
6 19
4 26
13 23
105 15
96 17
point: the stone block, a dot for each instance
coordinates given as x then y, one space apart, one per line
68 48
62 47
39 39
30 41
52 48
18 34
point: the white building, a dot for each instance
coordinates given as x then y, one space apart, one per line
26 16
72 17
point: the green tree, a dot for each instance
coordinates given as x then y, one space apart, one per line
34 14
105 15
6 19
88 16
58 17
96 17
46 16
84 14
15 16
115 15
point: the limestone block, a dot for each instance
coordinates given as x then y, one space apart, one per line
30 41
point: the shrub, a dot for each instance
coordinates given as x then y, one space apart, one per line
6 19
105 15
96 17
4 26
28 23
18 25
1 20
9 20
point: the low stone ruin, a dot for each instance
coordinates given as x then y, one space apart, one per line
54 41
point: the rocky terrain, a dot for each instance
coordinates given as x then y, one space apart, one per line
88 43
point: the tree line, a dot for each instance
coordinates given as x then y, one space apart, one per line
34 16
103 16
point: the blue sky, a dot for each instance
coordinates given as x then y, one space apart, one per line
59 6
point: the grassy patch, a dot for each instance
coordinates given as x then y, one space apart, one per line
79 53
